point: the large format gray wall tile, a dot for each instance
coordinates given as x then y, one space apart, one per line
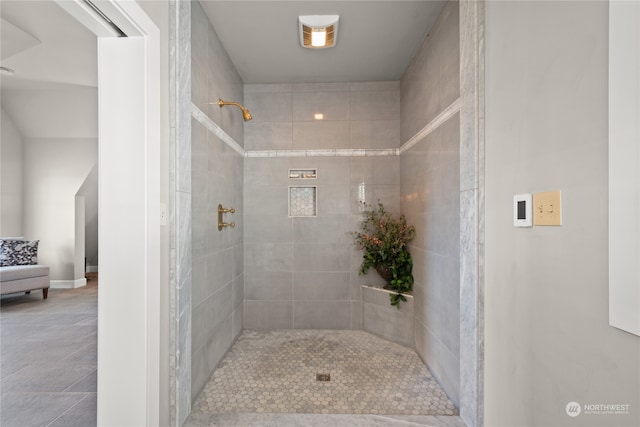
268 136
388 322
321 285
263 314
265 257
430 182
333 105
267 228
432 80
375 170
376 134
293 261
322 315
323 229
321 256
217 291
375 105
268 285
320 134
269 107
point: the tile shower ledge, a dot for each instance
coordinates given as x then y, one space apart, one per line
380 318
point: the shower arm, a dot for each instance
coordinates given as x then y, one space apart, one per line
246 115
222 103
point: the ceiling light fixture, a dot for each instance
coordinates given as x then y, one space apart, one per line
318 31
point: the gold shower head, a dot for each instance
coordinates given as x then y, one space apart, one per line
246 115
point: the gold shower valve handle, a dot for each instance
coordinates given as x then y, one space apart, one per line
226 210
221 223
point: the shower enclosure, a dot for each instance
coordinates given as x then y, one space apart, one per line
393 141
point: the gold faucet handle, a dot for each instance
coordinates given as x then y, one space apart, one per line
226 210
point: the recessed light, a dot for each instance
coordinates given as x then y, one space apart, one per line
318 116
318 31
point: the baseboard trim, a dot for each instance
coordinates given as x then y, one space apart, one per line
92 268
68 284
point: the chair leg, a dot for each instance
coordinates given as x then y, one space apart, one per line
45 293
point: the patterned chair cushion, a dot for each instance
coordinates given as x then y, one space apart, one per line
18 252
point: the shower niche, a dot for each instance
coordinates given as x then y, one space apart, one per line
303 198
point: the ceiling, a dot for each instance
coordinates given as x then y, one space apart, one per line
53 92
44 45
51 52
376 39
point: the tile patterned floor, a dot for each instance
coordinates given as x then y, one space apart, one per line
48 351
48 374
275 372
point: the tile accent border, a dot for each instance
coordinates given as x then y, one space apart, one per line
338 152
214 128
472 212
434 124
180 212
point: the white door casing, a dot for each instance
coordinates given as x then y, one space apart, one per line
129 212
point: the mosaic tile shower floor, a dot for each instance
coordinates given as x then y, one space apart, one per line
275 372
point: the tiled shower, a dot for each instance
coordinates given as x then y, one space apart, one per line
393 141
301 272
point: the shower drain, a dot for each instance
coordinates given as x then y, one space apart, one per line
323 377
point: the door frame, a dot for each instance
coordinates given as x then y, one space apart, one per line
129 211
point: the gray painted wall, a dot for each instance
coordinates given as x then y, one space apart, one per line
40 177
430 185
89 190
54 166
216 177
548 341
55 169
11 178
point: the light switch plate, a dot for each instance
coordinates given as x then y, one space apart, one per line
547 208
522 210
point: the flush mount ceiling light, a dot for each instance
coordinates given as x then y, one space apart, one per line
318 31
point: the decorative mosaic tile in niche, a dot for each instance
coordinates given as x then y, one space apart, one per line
302 201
